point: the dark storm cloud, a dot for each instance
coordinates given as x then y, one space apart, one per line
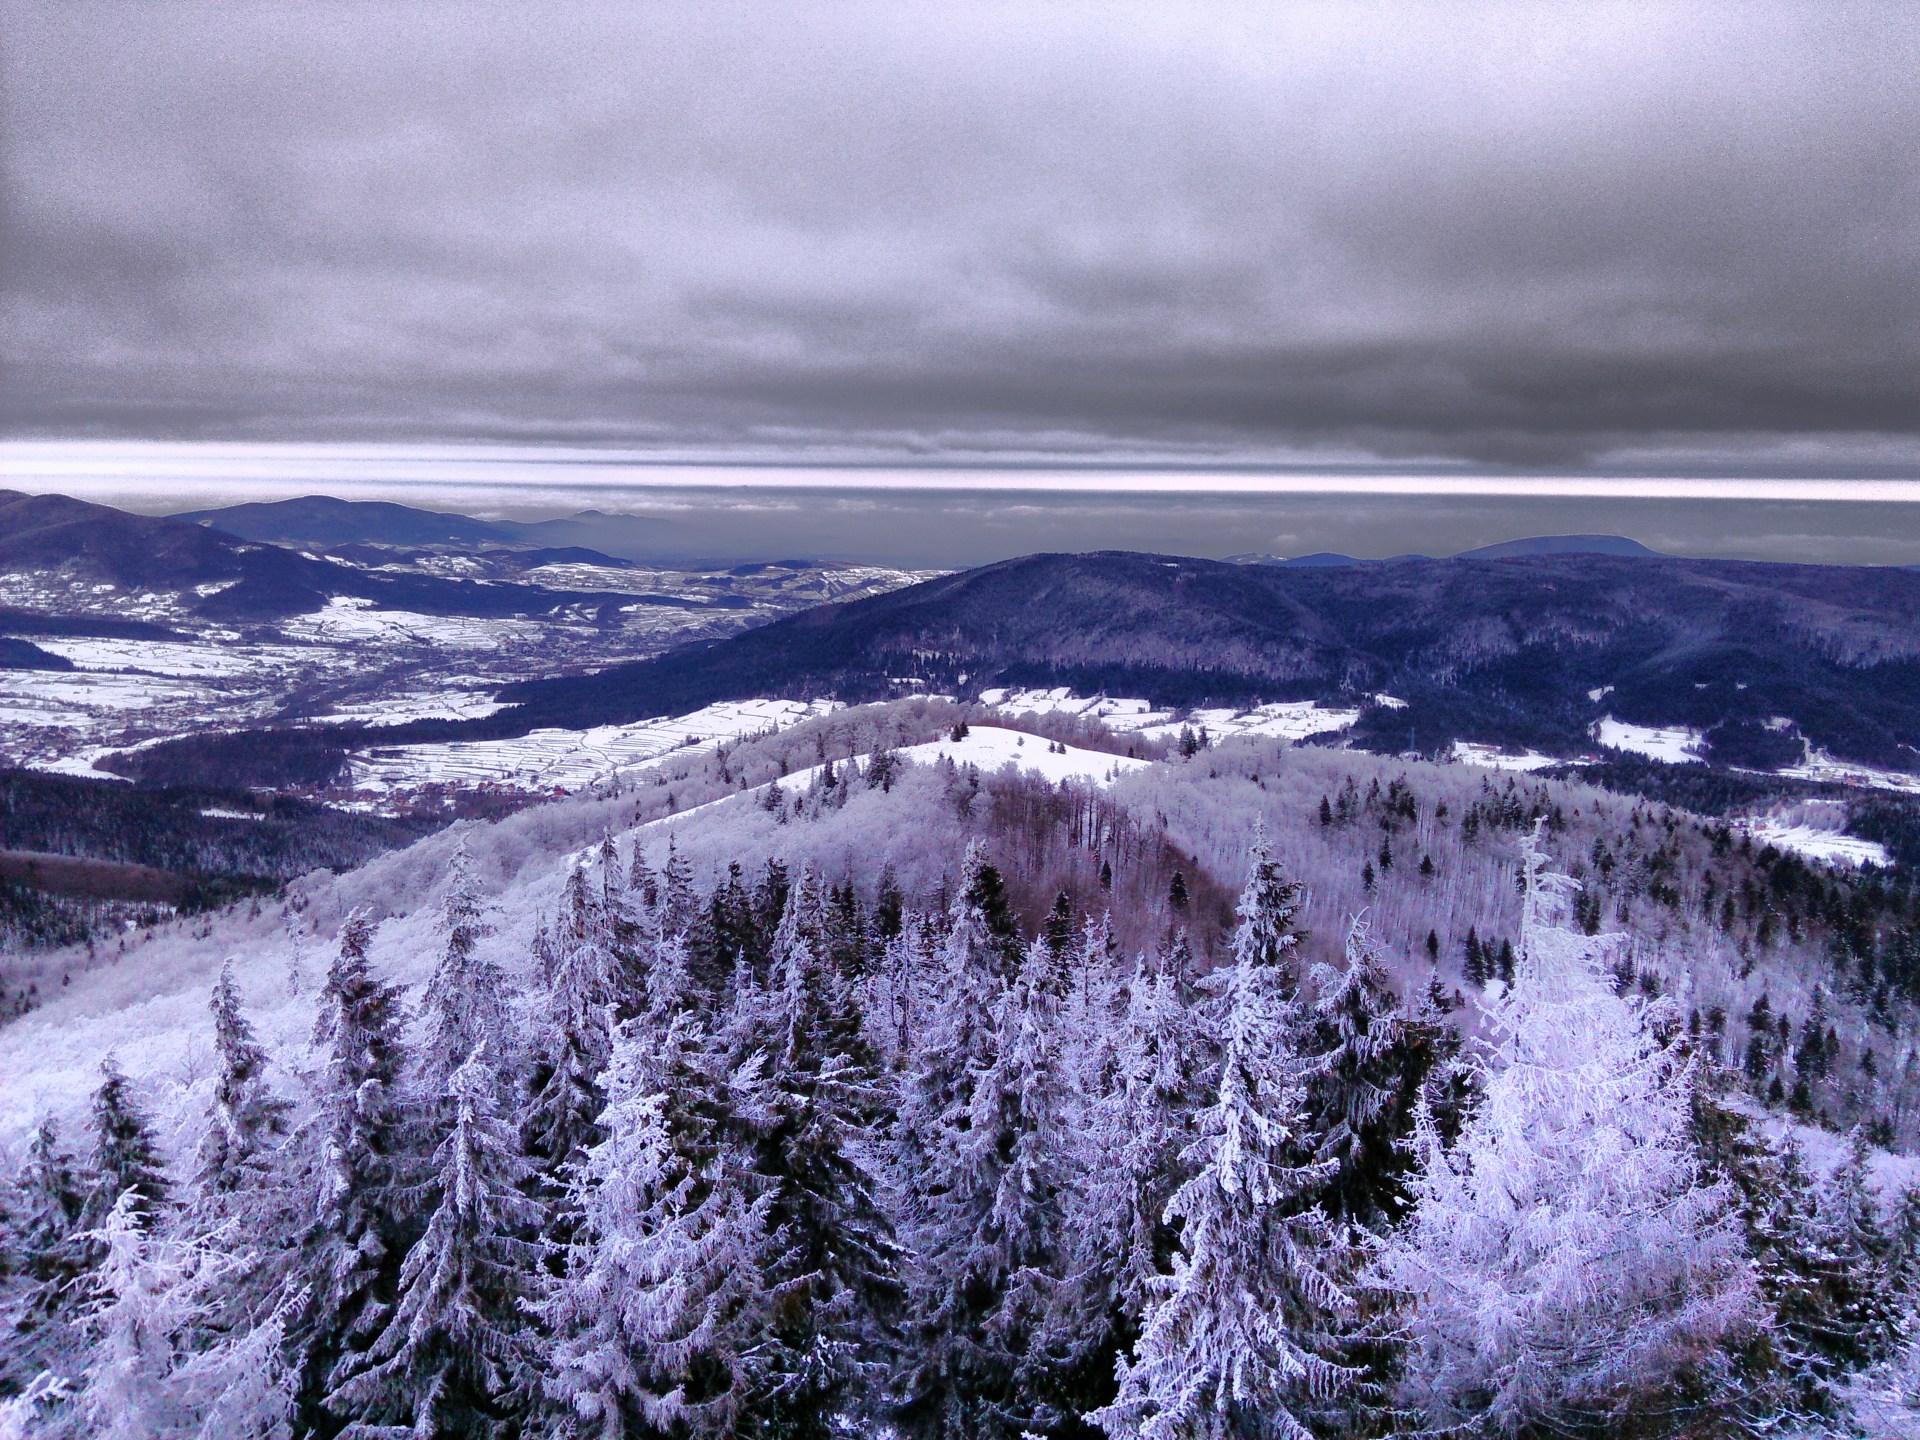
1619 237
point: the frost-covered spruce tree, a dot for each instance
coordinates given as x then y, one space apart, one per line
1008 1253
1241 1335
1363 1077
247 1120
576 1034
1566 1263
464 1004
938 1192
447 1358
657 1314
125 1156
356 1237
807 1085
1134 1127
143 1299
247 1383
47 1252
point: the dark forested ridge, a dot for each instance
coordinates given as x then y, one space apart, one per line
199 847
1506 651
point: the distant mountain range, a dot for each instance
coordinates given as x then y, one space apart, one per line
320 521
1504 550
220 576
1526 643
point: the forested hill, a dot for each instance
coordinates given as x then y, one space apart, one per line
1526 650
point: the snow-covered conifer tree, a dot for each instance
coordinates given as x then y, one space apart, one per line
955 1377
807 1085
1240 1338
576 1034
448 1355
246 1120
47 1251
464 1005
1362 1080
144 1297
1127 1150
125 1156
355 1239
658 1311
1566 1261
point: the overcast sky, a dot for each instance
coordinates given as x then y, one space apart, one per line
1661 239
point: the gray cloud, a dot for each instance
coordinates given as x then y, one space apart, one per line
1615 237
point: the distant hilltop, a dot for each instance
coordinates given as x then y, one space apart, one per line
1506 549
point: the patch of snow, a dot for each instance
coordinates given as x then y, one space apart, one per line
1288 720
420 705
993 748
1596 696
569 760
156 657
349 618
1669 744
1829 846
1492 757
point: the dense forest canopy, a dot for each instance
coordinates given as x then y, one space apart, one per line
801 1088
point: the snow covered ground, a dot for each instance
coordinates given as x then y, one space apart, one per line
1669 744
570 760
1288 720
1492 757
347 620
993 748
1815 844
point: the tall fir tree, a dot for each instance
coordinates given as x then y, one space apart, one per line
1133 1128
47 1253
657 1316
1567 1262
1242 1336
464 1004
1363 1077
575 1034
808 1099
246 1121
450 1356
357 1236
951 1047
125 1155
143 1297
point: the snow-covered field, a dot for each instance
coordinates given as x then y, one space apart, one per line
346 620
1669 744
569 760
992 748
160 657
1289 720
1492 757
1815 829
1829 846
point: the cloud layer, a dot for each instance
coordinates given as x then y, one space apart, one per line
1635 238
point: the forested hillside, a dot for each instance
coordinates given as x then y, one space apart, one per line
803 1088
1518 651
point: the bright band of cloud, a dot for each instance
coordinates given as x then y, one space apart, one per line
175 474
